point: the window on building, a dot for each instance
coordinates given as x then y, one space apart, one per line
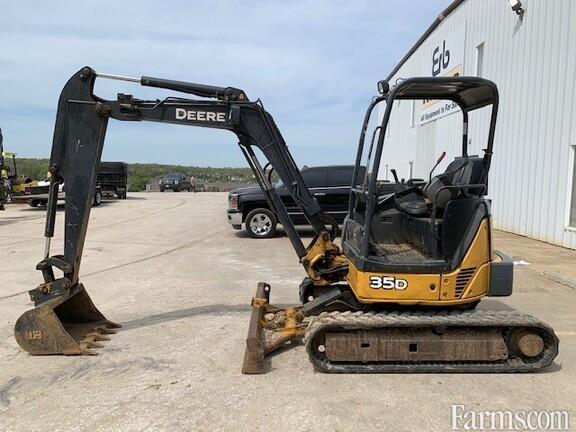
572 221
480 60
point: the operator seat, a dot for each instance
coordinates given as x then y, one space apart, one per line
461 171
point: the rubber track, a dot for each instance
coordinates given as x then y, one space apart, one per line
371 320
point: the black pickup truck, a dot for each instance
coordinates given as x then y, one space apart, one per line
329 184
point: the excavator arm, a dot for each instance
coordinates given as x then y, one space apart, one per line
79 135
79 138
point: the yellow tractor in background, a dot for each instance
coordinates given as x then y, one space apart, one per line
11 183
3 176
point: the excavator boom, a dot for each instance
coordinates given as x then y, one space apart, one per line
65 320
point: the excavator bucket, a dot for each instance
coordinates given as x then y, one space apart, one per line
64 325
270 328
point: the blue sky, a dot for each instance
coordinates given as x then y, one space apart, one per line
314 64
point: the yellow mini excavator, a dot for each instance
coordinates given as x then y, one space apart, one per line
398 295
10 182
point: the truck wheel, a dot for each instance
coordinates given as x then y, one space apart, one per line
97 198
261 223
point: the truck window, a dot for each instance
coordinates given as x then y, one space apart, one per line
314 177
340 176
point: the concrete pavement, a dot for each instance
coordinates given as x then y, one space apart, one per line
179 279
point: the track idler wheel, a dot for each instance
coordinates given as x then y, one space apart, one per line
526 343
69 326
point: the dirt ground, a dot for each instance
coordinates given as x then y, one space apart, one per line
179 279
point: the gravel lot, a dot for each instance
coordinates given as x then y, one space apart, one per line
179 279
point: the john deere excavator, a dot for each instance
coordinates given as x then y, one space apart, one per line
398 296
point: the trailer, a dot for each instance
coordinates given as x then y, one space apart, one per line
112 181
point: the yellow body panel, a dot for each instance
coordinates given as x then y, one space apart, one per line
468 283
20 188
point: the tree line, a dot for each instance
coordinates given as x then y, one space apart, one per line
141 174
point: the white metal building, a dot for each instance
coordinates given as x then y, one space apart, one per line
531 55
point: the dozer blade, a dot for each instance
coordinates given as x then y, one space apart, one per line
69 326
270 328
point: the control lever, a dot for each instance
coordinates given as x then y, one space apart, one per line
393 171
440 159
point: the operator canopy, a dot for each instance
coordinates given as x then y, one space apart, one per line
470 93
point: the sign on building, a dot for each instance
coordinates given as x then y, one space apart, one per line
445 58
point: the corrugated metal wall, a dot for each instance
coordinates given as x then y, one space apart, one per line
533 62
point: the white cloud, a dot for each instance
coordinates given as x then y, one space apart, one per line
314 64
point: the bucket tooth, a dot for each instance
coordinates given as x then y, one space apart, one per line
69 325
98 337
106 330
86 351
95 345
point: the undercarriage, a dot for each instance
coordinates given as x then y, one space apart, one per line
444 341
425 340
